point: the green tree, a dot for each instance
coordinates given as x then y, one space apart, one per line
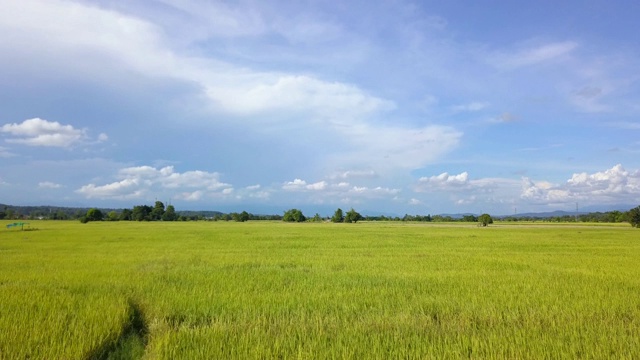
293 215
240 217
338 216
158 211
352 216
125 214
470 218
141 213
633 216
113 216
485 219
170 214
94 215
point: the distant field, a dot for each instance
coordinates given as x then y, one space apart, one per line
261 290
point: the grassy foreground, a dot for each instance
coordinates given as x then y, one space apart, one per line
262 290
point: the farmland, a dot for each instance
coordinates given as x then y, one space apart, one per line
318 290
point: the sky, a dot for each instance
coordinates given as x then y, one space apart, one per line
387 107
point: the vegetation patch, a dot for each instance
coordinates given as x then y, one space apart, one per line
246 290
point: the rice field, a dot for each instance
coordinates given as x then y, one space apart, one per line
262 290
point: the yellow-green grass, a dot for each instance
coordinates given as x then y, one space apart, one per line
261 290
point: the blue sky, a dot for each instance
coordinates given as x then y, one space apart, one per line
384 106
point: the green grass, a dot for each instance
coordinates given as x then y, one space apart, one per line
261 290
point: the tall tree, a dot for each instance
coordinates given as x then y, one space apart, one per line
158 211
338 216
170 214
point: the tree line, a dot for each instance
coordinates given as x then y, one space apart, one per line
158 212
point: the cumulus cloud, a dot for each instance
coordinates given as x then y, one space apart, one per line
301 185
615 185
39 132
444 180
462 190
136 182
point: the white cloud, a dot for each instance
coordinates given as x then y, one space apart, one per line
136 182
413 201
615 185
39 132
143 47
460 189
190 196
321 185
297 184
339 109
301 185
350 174
533 55
49 185
471 107
444 180
271 93
373 192
123 189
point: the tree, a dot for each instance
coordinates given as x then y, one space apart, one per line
125 214
293 215
485 219
470 218
240 217
337 216
113 216
170 214
352 216
244 216
92 215
633 216
141 213
158 211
